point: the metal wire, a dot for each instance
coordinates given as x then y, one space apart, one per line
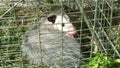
97 23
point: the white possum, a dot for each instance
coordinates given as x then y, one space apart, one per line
52 42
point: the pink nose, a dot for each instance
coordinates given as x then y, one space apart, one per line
71 34
73 30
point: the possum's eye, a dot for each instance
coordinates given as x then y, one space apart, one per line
52 18
63 24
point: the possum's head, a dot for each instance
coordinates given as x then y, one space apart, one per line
62 22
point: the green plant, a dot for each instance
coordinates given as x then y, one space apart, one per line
102 61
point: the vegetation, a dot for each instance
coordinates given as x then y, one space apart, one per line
16 22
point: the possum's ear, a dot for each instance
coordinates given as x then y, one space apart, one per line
52 18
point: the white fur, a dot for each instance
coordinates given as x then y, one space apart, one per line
68 27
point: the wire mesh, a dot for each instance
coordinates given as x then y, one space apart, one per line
97 23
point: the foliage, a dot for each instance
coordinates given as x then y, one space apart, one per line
12 29
102 61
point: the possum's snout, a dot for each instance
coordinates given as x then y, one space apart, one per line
69 29
72 31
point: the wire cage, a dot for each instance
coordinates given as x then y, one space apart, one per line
98 33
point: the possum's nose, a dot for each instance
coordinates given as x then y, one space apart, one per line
72 32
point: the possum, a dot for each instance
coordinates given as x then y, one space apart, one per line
51 42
